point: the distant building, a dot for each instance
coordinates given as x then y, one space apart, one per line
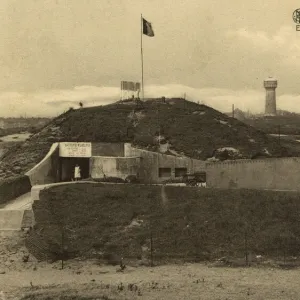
270 85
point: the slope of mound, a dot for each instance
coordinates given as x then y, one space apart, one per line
98 220
175 126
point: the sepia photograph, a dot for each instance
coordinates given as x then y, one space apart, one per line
149 149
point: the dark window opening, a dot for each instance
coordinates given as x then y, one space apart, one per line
179 172
164 172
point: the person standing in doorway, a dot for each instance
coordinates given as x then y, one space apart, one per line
77 174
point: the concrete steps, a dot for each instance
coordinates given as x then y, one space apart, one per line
28 219
17 214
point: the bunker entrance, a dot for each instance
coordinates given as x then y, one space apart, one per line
68 166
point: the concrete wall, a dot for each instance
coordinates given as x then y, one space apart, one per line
152 161
13 187
119 167
47 170
271 173
108 149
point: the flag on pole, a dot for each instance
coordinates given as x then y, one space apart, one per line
147 28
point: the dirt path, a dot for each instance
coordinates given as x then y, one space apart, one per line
90 280
19 137
189 281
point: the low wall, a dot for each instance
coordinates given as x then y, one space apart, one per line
14 187
269 173
46 170
119 167
152 161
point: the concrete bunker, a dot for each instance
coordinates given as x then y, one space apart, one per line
99 160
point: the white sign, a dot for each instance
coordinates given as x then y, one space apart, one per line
75 149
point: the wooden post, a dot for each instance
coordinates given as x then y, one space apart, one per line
62 248
246 248
151 248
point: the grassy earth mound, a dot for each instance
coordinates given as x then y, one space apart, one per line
109 221
183 127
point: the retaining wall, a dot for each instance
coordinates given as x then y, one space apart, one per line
269 173
152 161
47 170
14 187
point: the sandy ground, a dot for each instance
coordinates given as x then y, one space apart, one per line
37 280
190 281
18 137
90 280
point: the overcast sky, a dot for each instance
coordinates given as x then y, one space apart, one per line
55 53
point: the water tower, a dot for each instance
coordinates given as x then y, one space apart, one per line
270 85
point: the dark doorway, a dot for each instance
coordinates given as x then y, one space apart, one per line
68 166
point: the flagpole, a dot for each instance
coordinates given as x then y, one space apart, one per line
142 58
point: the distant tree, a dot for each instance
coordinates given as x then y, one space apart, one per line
80 104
